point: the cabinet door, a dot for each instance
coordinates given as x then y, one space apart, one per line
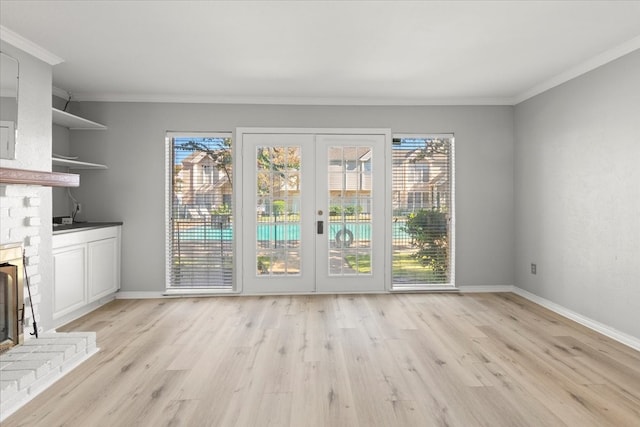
103 268
69 278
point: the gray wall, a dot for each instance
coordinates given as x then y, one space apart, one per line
60 145
62 205
577 164
7 108
132 190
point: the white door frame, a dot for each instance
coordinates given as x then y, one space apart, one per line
240 199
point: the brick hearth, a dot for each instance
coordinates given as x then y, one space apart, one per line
27 370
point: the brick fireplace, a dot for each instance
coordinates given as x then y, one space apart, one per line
12 303
27 367
20 233
30 367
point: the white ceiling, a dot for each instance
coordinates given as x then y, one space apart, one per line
322 52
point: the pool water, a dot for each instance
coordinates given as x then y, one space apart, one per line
287 231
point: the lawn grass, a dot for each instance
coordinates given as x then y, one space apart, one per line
361 264
405 267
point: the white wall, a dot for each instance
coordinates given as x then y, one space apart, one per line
132 190
25 211
577 164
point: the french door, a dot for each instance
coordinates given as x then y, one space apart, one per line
313 212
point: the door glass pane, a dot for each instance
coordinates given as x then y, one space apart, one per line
278 210
349 196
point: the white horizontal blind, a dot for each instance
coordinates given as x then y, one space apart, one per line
423 211
200 217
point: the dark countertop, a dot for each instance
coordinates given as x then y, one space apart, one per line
79 226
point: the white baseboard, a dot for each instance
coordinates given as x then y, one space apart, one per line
139 295
485 288
193 292
70 317
608 331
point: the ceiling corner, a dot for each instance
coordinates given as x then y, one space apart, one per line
28 46
580 69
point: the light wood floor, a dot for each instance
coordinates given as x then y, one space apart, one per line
365 360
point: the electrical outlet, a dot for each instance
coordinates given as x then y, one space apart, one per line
534 268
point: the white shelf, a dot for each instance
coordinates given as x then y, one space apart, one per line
74 164
73 122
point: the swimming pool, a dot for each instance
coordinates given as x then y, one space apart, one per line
286 231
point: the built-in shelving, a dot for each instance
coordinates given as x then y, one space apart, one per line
75 164
74 122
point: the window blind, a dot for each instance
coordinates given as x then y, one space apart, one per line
423 211
200 212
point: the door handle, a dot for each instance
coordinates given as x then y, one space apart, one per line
320 226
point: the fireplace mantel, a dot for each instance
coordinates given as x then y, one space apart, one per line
31 177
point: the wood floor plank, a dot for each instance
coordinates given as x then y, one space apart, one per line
341 360
541 379
174 413
274 410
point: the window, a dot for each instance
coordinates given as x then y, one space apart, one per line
423 211
421 172
199 211
417 200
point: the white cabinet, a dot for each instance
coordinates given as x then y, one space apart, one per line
69 276
86 267
102 271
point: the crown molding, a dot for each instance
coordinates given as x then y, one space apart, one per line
580 69
28 46
326 101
